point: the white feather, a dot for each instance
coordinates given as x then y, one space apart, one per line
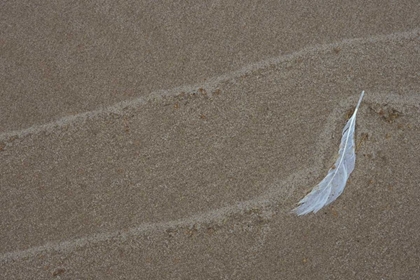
333 184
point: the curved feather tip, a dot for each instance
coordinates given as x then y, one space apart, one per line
333 184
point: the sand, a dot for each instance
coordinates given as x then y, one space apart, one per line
146 141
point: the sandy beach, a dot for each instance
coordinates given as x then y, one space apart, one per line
172 141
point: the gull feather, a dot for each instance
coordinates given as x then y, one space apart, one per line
333 184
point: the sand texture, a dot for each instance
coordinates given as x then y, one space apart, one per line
172 141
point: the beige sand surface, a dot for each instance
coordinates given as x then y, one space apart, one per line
144 141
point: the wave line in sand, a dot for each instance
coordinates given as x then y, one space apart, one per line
211 84
279 192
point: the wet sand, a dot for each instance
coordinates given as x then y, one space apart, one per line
170 142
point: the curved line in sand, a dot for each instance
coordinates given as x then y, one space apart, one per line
278 192
264 200
210 84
